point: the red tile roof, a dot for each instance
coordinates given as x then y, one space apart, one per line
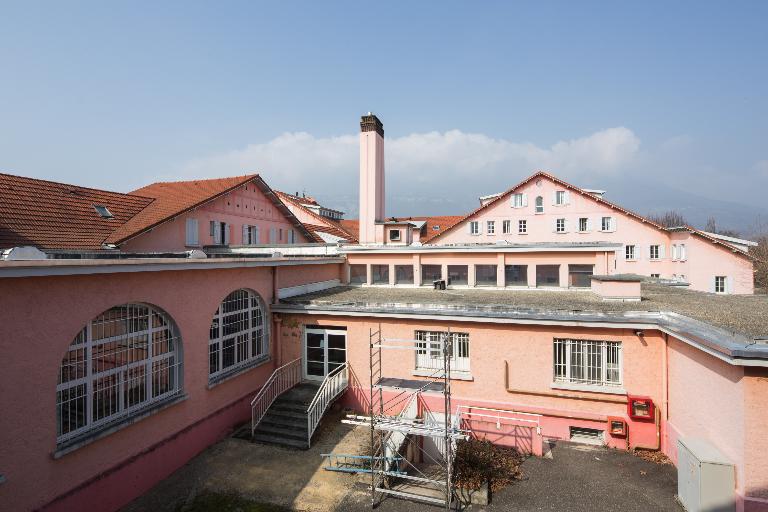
323 225
441 222
173 198
52 215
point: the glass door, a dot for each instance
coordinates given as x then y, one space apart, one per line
324 351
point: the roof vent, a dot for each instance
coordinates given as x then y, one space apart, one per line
103 211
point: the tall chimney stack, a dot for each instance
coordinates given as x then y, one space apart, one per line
371 179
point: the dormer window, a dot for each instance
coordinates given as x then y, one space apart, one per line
394 235
103 211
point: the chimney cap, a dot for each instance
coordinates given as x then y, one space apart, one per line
371 123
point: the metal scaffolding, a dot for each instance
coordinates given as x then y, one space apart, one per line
391 473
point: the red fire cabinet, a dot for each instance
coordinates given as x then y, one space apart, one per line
640 408
617 427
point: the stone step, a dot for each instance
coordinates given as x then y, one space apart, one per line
286 423
281 441
279 431
289 407
273 411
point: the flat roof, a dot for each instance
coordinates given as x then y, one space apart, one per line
733 324
501 246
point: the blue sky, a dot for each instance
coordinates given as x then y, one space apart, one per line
473 95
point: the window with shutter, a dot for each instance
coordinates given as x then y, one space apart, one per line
192 232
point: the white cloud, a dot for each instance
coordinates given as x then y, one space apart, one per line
454 163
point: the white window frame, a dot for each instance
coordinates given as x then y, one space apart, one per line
93 345
654 252
588 369
192 233
586 224
607 224
560 226
506 227
675 253
522 227
683 252
254 334
721 284
519 200
630 252
429 355
394 235
561 197
490 227
474 227
539 208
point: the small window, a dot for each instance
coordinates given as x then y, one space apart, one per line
394 235
560 226
431 273
474 228
518 201
539 204
720 284
629 252
506 227
522 227
403 274
682 253
103 211
583 224
458 275
516 275
654 252
606 224
436 227
547 275
485 275
491 227
656 276
579 276
560 197
358 274
674 252
380 274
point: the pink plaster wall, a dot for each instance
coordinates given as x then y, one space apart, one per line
616 289
300 274
371 187
527 349
705 260
246 205
756 442
41 316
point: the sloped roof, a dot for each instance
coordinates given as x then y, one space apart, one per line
51 215
174 198
323 225
585 193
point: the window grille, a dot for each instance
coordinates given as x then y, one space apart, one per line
238 334
124 360
595 363
429 355
491 227
522 226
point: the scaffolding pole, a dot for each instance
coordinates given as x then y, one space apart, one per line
384 427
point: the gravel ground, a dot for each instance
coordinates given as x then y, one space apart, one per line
745 314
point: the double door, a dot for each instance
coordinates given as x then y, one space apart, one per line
325 349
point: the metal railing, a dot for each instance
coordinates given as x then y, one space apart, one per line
281 380
333 385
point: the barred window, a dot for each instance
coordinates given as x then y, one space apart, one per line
429 355
587 362
123 361
238 335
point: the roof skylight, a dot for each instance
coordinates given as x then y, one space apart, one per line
103 211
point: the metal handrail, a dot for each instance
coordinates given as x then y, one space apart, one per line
281 380
332 386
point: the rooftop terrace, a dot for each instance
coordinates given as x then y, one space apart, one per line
743 316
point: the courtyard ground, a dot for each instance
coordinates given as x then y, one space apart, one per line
238 472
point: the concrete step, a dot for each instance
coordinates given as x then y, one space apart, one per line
289 407
288 424
281 441
287 414
279 431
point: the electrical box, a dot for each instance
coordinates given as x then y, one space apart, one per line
617 427
706 479
640 408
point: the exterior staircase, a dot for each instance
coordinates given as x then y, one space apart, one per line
285 422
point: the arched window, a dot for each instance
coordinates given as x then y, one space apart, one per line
539 204
124 360
238 336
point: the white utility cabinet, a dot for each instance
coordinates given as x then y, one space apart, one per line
705 477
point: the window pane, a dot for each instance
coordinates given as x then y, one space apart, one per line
485 275
547 275
358 274
516 275
403 274
579 276
430 273
458 274
380 274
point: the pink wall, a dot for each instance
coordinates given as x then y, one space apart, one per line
42 315
705 260
528 351
371 186
246 205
